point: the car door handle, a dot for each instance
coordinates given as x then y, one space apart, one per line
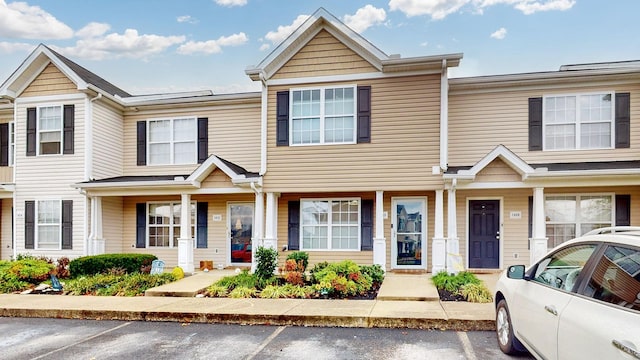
551 309
626 347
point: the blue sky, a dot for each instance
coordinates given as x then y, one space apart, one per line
157 46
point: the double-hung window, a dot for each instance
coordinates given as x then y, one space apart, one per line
164 223
570 216
49 224
323 116
583 121
50 130
172 141
332 224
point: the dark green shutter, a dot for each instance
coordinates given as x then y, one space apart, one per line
294 226
623 210
31 131
67 224
29 224
141 143
203 139
202 226
535 124
282 118
4 144
364 114
68 121
141 225
366 225
623 120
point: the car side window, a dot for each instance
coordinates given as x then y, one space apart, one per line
561 269
616 278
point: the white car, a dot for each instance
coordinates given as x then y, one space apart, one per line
581 301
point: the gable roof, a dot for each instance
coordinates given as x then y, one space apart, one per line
43 56
323 20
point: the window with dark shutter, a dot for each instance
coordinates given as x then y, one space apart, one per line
535 124
141 143
294 226
623 120
68 125
201 241
364 114
203 139
67 224
366 225
29 224
141 225
282 118
4 144
31 131
623 210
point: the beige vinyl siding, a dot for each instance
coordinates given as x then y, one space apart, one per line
234 135
50 82
321 56
6 172
6 231
405 133
479 122
108 157
112 225
498 171
217 179
50 177
218 238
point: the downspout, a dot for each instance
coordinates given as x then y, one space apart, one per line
88 170
263 126
14 244
444 118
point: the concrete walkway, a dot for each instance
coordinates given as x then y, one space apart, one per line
408 301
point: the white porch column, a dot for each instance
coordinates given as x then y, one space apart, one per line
271 221
439 244
539 238
454 258
97 241
257 239
379 241
185 242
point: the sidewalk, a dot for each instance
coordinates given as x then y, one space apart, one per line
407 301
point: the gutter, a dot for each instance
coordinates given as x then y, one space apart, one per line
263 125
444 117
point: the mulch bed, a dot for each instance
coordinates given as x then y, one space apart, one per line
449 296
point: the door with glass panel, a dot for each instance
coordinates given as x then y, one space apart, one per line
408 249
240 232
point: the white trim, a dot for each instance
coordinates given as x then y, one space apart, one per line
444 117
171 141
50 99
36 223
348 77
423 238
39 130
329 224
264 108
143 191
500 227
500 151
171 224
12 144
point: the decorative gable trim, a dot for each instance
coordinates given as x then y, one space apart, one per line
502 152
214 162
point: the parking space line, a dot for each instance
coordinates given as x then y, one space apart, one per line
266 342
466 345
83 340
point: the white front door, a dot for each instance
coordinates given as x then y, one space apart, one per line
408 248
240 232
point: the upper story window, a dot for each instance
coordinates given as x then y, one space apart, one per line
323 116
172 141
583 121
49 130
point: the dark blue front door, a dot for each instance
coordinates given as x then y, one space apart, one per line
484 234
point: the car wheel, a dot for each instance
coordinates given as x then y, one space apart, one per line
504 329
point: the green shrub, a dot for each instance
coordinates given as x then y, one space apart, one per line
96 264
375 272
242 292
317 268
243 279
344 278
62 268
28 269
300 257
178 273
216 290
9 282
266 262
116 285
477 293
453 283
273 292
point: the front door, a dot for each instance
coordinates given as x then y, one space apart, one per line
240 232
409 229
484 234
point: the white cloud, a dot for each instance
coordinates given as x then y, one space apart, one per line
231 3
426 43
20 20
265 47
129 44
439 9
8 47
212 46
499 34
187 19
365 17
93 30
284 31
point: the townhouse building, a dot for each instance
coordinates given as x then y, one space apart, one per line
345 153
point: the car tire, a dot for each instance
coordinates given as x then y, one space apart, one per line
504 329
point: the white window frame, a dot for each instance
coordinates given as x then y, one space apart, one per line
12 143
172 142
171 224
578 220
578 122
329 224
38 224
322 115
39 129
